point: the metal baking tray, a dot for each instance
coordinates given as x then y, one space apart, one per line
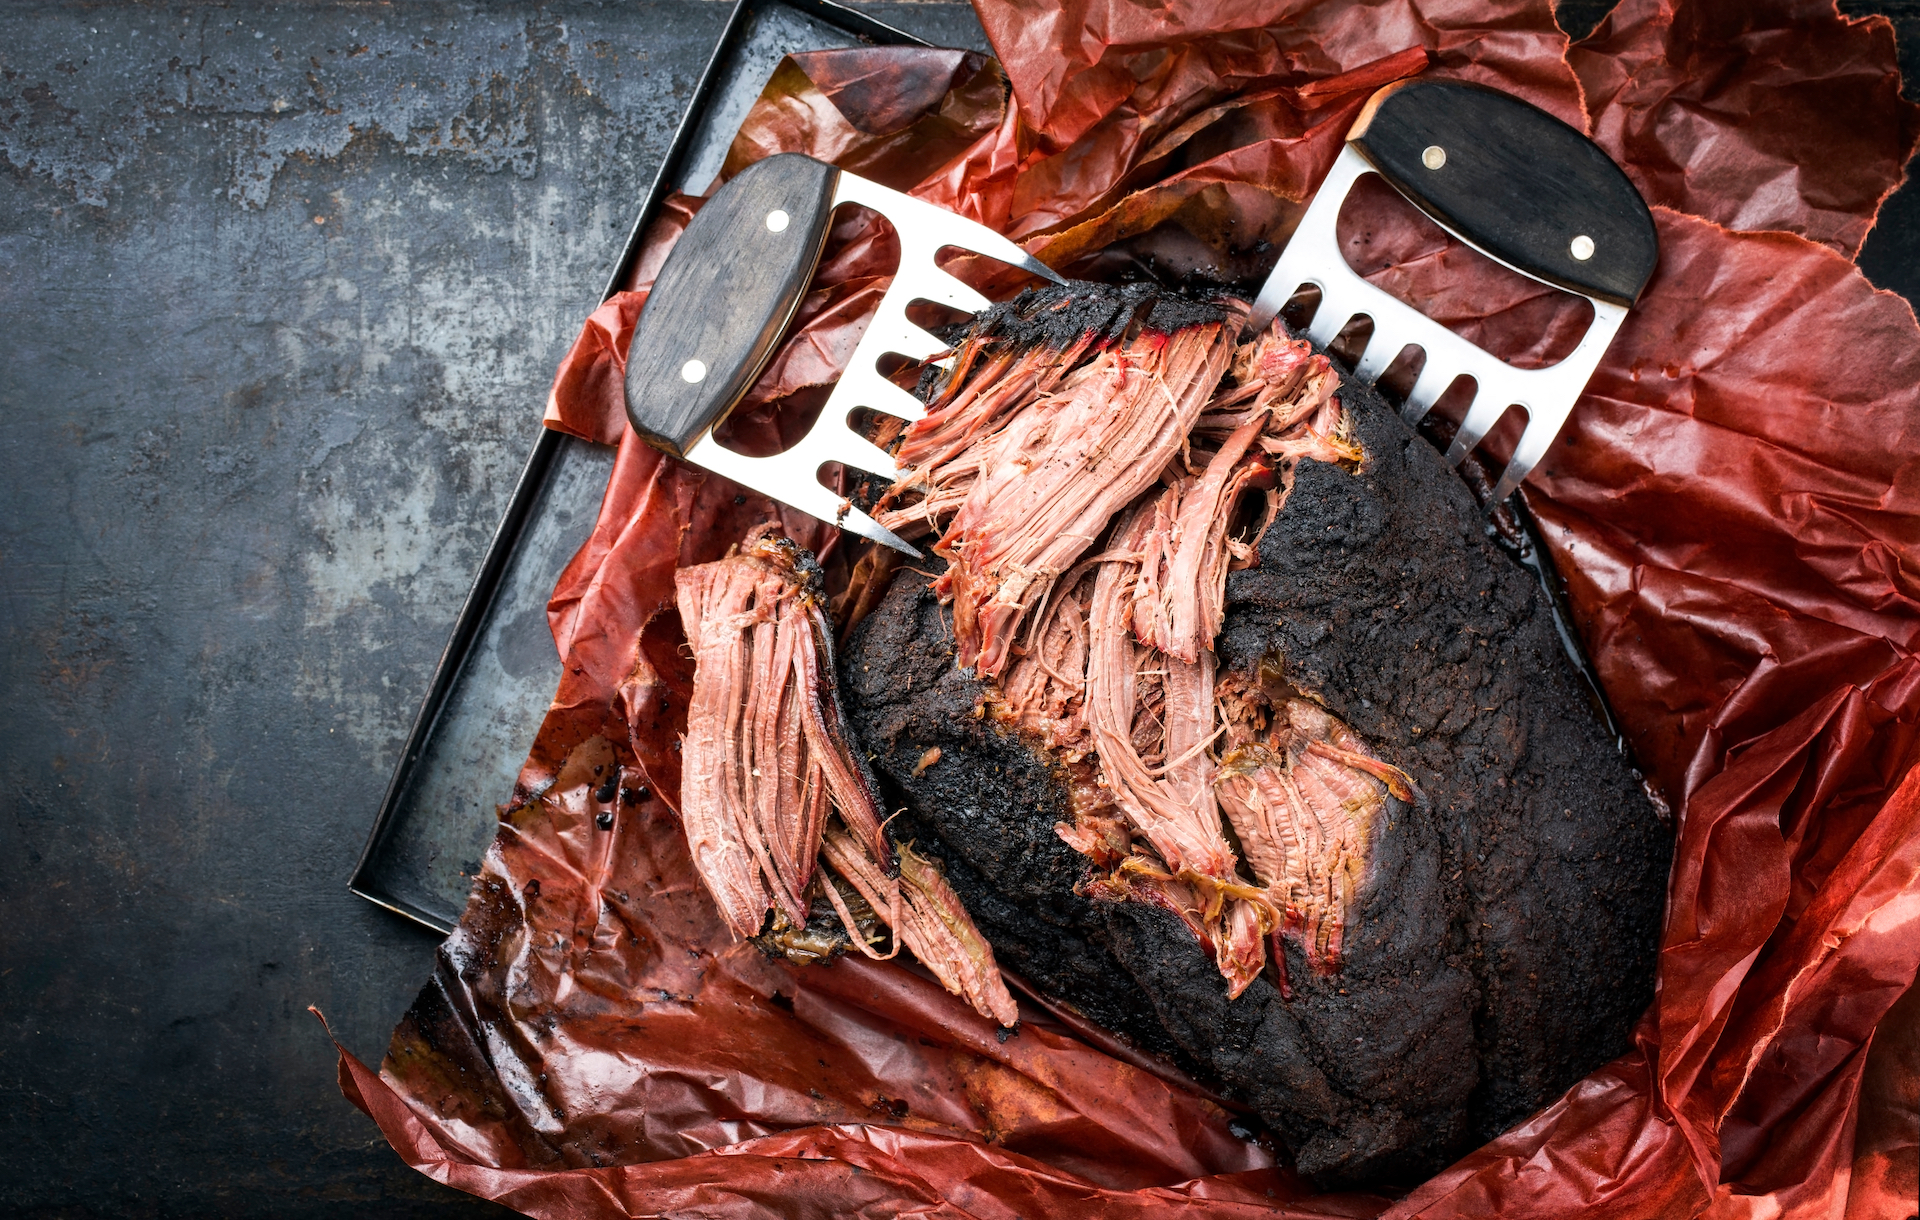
492 686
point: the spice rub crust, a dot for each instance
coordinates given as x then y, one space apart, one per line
1383 595
1504 942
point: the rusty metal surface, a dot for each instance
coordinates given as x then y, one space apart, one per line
283 288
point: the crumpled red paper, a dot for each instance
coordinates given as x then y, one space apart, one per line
1780 115
1732 505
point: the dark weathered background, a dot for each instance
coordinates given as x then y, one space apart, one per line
281 289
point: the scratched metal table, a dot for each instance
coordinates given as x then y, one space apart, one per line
282 290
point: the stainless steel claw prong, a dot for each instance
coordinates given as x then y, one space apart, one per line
863 386
1488 408
925 229
1313 257
793 477
1427 388
1381 351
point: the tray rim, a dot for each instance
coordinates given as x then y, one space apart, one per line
534 474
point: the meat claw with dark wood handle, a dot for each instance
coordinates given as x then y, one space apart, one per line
728 290
1519 186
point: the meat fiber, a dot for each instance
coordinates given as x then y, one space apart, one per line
932 922
764 763
1112 657
1305 798
761 759
1048 454
1364 761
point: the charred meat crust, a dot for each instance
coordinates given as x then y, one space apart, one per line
1383 596
1364 1076
1390 1105
1057 315
1504 943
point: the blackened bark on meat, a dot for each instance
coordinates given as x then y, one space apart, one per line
1503 942
1056 316
1365 1073
1381 595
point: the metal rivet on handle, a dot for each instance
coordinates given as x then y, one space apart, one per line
1582 247
1434 157
693 372
777 221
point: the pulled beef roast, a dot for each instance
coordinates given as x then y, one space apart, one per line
1466 946
763 761
1077 413
766 762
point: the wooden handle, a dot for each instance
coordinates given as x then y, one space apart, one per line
725 295
1515 181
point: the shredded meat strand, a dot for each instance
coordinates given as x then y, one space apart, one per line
932 922
1194 595
765 762
1174 812
1046 464
1305 801
1103 653
763 758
